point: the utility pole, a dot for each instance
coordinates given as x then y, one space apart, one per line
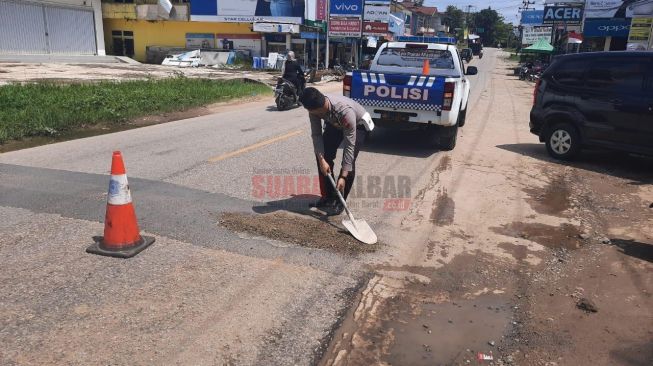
469 8
328 14
525 6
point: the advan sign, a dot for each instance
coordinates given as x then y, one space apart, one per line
376 11
568 14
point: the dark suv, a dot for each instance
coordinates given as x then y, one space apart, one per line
600 99
466 54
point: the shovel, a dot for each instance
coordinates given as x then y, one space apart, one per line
359 229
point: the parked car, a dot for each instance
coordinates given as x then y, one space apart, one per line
602 99
466 54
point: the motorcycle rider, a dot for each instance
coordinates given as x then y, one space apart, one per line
293 72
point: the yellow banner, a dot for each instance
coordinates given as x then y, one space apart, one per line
640 30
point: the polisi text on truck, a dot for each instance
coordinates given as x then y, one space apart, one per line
384 91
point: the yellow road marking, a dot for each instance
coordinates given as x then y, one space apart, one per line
255 146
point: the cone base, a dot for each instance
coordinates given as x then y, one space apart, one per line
96 248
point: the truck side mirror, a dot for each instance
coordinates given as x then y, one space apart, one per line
471 70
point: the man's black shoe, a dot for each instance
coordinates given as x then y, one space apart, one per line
336 209
324 202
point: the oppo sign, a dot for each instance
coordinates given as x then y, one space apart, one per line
614 27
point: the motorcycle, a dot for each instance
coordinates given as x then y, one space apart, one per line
480 54
285 94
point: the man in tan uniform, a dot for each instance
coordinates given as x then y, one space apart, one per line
344 119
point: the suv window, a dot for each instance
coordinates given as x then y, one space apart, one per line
618 74
406 57
570 72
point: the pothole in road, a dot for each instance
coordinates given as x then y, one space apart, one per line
412 315
448 333
295 229
553 199
563 236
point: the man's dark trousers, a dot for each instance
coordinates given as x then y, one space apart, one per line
332 139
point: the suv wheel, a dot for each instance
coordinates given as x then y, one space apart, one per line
563 141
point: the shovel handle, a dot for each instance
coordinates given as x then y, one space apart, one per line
342 200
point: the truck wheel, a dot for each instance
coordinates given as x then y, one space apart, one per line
448 138
462 116
562 141
443 138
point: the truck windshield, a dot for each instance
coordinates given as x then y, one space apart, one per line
402 57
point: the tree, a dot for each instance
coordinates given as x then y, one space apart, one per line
492 24
454 18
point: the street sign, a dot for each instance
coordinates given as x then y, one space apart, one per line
316 24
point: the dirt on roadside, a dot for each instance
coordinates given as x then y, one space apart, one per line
312 232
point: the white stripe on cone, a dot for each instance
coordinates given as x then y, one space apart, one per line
119 190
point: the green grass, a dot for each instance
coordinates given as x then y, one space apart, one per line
514 57
46 109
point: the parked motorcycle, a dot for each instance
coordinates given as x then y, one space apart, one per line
285 94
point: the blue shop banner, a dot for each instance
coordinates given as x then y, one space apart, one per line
532 17
614 27
401 91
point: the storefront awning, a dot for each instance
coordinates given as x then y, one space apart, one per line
541 46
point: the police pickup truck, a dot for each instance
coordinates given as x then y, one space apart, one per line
417 82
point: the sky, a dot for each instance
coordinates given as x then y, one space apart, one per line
507 8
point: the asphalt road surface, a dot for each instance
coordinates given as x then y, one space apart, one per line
207 295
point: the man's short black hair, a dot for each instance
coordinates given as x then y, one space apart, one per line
312 98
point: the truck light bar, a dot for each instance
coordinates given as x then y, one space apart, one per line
422 39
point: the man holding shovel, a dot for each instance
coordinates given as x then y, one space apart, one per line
344 120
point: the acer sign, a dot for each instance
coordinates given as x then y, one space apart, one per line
570 15
346 8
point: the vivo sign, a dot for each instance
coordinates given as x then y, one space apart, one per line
346 7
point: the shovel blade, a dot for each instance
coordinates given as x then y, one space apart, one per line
361 231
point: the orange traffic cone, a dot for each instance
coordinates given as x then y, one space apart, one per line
122 237
426 69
